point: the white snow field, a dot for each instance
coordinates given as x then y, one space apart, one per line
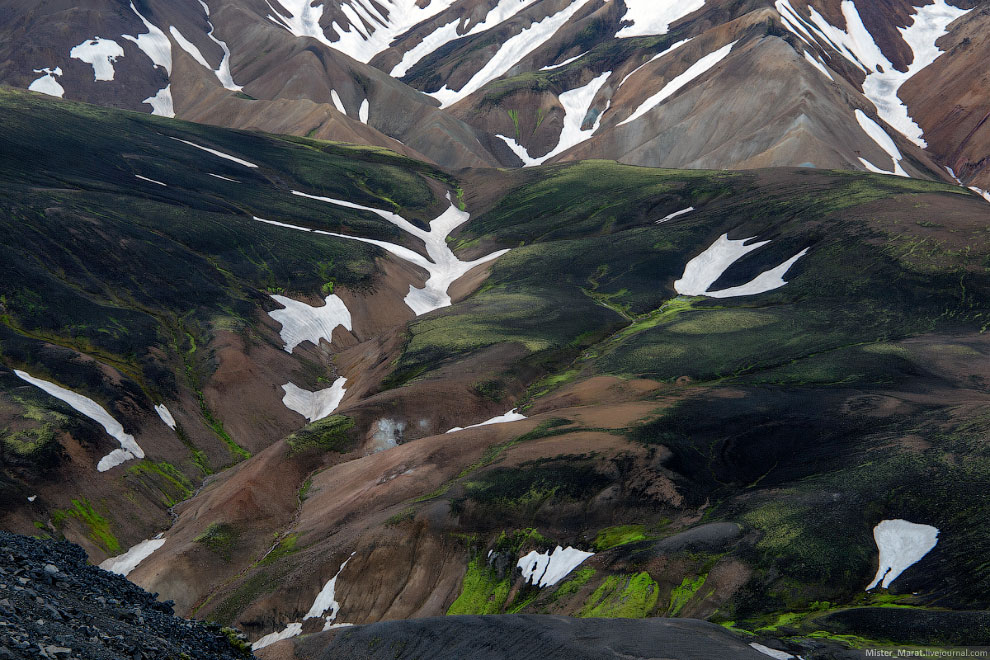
705 269
302 322
901 545
696 70
325 600
880 136
223 70
511 416
99 53
654 17
129 448
443 35
47 84
577 105
153 43
127 562
545 569
510 53
144 178
675 214
165 416
291 630
220 154
314 405
443 267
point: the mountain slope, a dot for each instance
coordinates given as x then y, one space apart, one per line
719 383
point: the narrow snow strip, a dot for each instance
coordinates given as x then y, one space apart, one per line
901 545
982 193
161 103
336 101
154 44
818 65
291 630
99 53
217 176
565 62
128 446
47 84
325 600
314 405
127 562
547 569
223 71
364 111
577 105
510 53
880 136
511 416
705 269
302 20
794 22
675 214
653 59
654 17
144 178
217 153
189 47
773 653
697 69
302 322
282 224
166 416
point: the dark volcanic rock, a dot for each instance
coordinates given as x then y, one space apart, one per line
522 636
53 604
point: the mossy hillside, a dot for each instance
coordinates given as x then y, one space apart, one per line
482 591
623 596
163 478
328 434
98 527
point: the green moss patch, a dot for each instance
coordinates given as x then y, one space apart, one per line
623 596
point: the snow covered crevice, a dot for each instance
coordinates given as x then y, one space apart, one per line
901 544
510 53
99 53
301 322
704 270
314 406
325 606
654 17
129 448
577 104
545 569
127 562
511 416
443 266
694 71
47 84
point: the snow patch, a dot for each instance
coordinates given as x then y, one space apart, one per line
217 153
773 653
654 17
547 569
129 448
675 214
982 193
325 600
364 111
154 44
577 104
161 103
127 562
144 178
99 53
510 53
815 62
314 405
336 101
47 84
165 416
291 630
301 322
511 416
705 269
901 545
32 498
880 136
697 69
217 176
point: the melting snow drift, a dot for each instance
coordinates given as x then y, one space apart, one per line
128 446
705 269
302 322
127 562
901 545
47 84
545 569
314 405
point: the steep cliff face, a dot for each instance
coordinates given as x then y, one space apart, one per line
895 87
